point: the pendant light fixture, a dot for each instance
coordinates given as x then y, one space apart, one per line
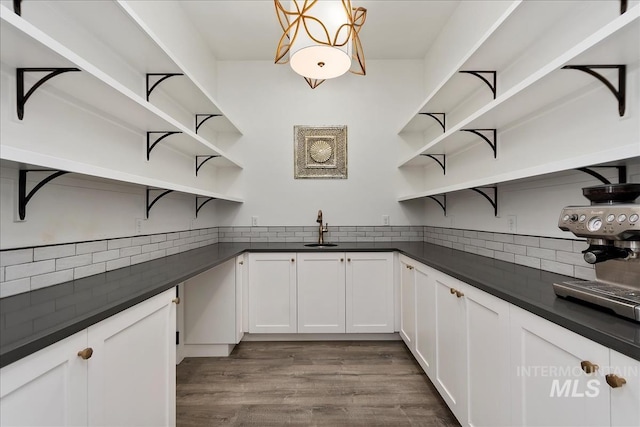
320 38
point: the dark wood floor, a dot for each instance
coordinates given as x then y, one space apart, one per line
309 383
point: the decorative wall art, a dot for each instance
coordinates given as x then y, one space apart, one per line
320 152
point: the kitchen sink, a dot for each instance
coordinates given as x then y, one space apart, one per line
321 245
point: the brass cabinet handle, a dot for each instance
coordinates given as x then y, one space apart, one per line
452 291
348 259
176 300
293 260
588 367
86 353
241 263
459 294
341 259
615 381
410 267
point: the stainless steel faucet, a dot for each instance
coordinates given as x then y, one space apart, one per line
321 229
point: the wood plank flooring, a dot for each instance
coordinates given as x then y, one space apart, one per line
351 383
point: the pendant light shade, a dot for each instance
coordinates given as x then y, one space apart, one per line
320 38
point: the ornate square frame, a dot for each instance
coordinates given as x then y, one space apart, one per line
320 152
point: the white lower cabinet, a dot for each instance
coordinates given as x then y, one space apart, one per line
460 337
47 388
487 353
128 377
625 394
561 378
369 292
321 292
272 293
425 309
451 368
407 302
212 311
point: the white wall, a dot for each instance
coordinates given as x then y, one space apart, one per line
534 203
72 208
272 99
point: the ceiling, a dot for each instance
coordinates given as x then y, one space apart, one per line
243 30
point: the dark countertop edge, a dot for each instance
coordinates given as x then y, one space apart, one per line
566 322
46 338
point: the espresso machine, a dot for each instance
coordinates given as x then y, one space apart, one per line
611 225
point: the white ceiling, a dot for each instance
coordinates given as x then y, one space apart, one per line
249 29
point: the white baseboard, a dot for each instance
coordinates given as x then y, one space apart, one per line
207 350
321 337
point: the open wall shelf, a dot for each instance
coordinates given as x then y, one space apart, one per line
23 45
127 54
547 119
31 160
527 37
616 43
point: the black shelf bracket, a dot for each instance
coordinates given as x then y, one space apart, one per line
620 93
17 7
494 201
21 96
442 163
163 77
206 159
479 74
442 122
442 203
622 173
493 142
23 197
151 145
201 118
200 205
153 202
623 6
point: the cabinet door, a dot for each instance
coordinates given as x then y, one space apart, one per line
321 292
487 353
425 339
241 296
272 293
369 292
132 374
451 369
407 302
548 385
210 306
47 388
625 398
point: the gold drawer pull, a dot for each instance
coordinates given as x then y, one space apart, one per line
348 259
241 262
410 267
86 353
615 381
293 260
459 294
341 259
176 300
588 367
452 291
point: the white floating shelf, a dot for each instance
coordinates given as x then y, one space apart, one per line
629 151
22 43
616 43
50 162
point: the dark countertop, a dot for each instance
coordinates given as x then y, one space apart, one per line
36 319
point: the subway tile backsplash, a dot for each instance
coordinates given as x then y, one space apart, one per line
562 256
25 269
22 270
